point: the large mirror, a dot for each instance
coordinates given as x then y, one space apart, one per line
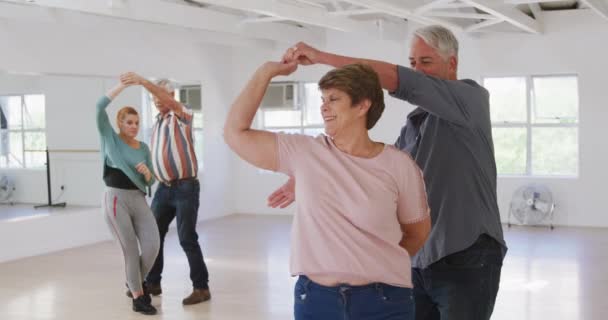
54 115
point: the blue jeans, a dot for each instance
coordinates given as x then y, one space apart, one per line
180 201
377 301
461 286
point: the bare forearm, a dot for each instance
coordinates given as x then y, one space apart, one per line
246 105
165 97
386 71
254 146
115 91
412 244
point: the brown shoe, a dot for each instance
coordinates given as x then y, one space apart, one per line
153 289
197 296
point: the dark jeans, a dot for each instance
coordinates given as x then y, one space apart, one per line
461 286
376 301
180 201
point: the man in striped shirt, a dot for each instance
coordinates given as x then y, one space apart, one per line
177 196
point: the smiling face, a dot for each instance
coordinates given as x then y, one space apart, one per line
352 99
426 59
340 116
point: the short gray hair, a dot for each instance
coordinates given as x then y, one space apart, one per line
439 38
165 84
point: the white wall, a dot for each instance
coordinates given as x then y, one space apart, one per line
574 42
59 230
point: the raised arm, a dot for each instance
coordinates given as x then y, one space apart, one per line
456 101
165 97
307 55
103 122
254 146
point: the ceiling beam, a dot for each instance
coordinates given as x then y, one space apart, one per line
507 13
175 14
530 1
312 3
481 25
303 14
598 6
262 20
536 11
430 6
462 15
353 12
453 6
402 12
43 17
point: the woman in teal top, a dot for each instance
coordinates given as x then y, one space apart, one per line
127 176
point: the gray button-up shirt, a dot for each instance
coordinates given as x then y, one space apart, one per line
450 137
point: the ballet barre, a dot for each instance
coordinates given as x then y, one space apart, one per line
50 203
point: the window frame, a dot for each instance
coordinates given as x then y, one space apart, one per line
302 127
24 165
529 125
259 118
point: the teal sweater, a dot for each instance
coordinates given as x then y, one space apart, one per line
117 154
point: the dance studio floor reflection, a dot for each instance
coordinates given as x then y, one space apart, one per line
554 275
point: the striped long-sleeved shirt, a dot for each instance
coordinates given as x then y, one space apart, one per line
173 155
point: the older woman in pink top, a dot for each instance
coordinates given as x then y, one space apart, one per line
362 209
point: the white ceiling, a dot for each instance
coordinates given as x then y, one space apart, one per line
282 20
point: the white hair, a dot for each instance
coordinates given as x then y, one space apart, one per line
165 84
440 39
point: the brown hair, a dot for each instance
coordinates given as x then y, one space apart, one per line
360 82
123 112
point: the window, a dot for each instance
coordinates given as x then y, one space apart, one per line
305 120
22 131
535 124
189 95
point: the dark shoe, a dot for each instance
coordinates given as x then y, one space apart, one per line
153 289
143 307
197 296
146 295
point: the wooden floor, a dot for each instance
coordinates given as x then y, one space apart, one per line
558 275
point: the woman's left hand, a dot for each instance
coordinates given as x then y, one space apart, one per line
131 78
143 169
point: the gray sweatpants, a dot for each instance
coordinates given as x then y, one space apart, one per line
133 226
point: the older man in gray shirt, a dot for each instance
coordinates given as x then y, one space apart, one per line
457 272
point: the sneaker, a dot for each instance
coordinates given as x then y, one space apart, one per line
146 295
143 307
197 296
